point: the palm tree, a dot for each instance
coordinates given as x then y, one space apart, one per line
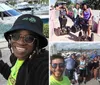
94 4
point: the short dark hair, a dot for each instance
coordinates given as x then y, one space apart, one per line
77 4
73 54
85 4
56 5
55 56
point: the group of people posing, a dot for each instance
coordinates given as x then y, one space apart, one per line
73 70
61 13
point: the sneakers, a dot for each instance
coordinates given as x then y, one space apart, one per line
73 81
84 81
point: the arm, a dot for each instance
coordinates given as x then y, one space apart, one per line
82 66
67 11
4 69
81 15
90 14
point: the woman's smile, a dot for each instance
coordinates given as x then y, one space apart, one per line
20 49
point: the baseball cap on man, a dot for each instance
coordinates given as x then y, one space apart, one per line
31 23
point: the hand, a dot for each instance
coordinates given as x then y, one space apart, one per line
82 66
90 19
1 65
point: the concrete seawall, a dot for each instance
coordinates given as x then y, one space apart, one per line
3 44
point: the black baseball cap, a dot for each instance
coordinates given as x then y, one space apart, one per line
31 23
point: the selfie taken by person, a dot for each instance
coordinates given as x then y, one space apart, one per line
26 42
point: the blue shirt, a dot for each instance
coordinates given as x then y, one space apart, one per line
93 56
70 63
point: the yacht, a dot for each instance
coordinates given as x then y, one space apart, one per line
23 6
8 14
6 10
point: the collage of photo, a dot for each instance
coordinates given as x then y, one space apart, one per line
49 42
74 38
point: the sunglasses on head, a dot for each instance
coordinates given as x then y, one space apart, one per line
61 65
27 38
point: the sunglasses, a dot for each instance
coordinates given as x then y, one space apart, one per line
27 38
61 65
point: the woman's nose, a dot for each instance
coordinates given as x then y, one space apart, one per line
21 41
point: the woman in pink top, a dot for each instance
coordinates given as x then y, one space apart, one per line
54 20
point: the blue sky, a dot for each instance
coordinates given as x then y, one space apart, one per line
52 2
73 0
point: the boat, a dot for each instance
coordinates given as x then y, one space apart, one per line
23 6
7 11
39 10
9 15
42 10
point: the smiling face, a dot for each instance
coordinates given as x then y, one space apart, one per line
77 6
57 68
20 48
84 6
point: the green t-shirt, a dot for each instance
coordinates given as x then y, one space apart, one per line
14 72
65 81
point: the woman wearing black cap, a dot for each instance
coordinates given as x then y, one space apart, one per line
29 61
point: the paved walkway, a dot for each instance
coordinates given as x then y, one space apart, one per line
91 82
72 36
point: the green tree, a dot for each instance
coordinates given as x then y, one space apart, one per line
94 4
44 1
67 1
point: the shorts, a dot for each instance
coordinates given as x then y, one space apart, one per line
83 73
